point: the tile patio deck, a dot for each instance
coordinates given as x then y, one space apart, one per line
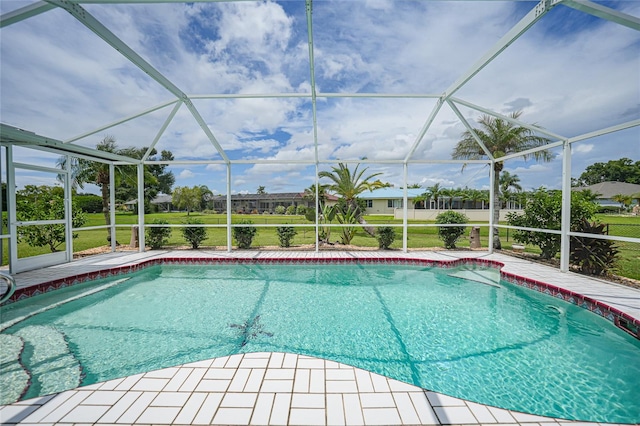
280 388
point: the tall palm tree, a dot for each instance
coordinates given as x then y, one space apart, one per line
349 185
500 137
85 171
310 195
508 181
434 192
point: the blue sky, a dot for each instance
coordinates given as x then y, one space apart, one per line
570 73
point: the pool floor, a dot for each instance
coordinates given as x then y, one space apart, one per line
278 388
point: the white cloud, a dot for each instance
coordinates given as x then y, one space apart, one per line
581 148
185 174
60 80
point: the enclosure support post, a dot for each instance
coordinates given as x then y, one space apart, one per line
317 228
112 205
11 211
229 245
68 212
565 227
405 214
492 207
140 207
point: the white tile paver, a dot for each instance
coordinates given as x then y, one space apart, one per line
278 388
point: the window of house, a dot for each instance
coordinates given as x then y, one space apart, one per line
369 204
394 204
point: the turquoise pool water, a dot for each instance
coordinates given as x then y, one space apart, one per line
480 339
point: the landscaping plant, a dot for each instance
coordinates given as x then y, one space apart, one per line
244 234
592 255
385 236
158 236
194 234
285 235
451 234
543 210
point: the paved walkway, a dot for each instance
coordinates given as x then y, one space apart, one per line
279 388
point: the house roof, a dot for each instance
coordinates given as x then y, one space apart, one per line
609 189
161 199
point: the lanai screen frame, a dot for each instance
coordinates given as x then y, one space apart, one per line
10 136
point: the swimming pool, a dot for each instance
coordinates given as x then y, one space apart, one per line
481 339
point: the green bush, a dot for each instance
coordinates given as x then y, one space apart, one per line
310 214
89 203
285 235
244 234
608 209
386 235
45 203
451 234
194 234
158 236
291 210
543 210
280 210
592 255
301 210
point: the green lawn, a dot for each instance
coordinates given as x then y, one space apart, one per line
417 237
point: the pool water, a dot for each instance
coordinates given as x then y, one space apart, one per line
478 338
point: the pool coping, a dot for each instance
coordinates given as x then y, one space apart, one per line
69 405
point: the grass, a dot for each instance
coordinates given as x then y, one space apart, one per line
417 237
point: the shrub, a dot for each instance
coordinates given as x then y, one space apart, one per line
89 203
208 211
608 209
280 210
194 234
543 210
451 234
157 236
285 235
291 210
310 214
244 234
591 255
386 235
301 210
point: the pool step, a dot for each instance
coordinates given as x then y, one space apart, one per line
483 276
14 379
52 366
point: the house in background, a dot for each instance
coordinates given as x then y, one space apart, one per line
605 192
387 200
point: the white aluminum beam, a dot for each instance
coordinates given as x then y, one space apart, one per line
162 130
104 33
530 151
24 12
312 76
520 28
604 12
425 127
14 136
509 119
122 120
612 129
471 130
565 220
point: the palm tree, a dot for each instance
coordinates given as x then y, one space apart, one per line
349 185
500 137
85 171
434 192
310 195
624 200
508 181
